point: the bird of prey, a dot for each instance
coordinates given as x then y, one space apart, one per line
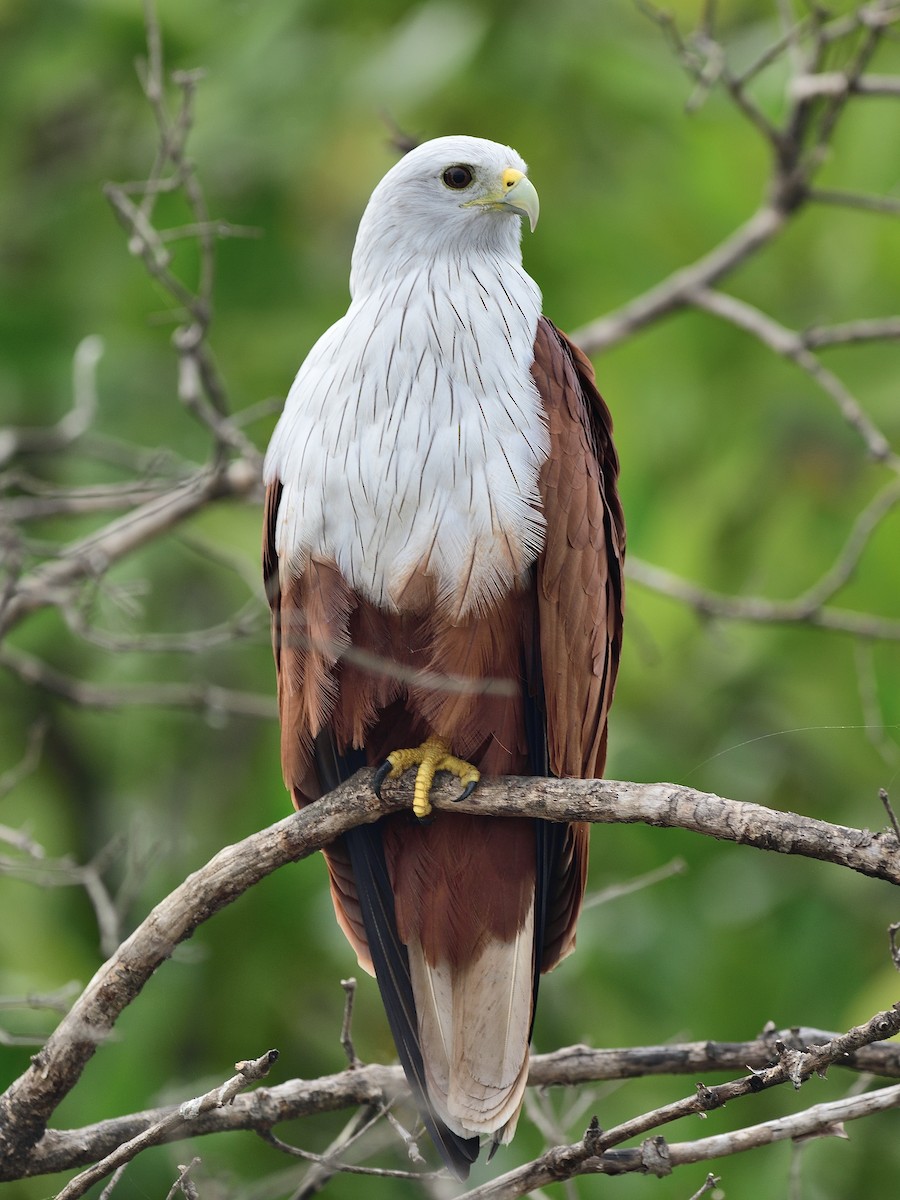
443 554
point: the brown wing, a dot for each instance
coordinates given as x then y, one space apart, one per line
580 596
310 616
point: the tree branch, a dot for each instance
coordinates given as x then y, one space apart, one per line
788 344
28 1103
674 292
378 1086
657 1157
219 1097
201 697
70 427
93 555
756 608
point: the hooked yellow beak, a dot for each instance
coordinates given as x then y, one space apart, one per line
517 194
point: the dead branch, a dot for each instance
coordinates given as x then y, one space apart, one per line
200 697
838 83
788 344
674 292
798 146
71 426
27 1105
658 1157
247 1072
759 609
377 1086
91 556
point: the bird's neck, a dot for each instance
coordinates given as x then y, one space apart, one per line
387 252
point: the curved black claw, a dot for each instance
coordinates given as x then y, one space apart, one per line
380 776
466 792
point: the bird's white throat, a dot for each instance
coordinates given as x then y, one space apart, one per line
413 436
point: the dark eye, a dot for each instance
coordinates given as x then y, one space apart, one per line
458 177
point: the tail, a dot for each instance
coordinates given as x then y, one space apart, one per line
474 1022
392 971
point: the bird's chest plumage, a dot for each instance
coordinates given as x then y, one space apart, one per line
412 441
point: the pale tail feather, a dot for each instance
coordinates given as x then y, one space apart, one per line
474 1023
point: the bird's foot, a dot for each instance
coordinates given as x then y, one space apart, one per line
433 755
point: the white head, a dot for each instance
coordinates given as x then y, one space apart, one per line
452 195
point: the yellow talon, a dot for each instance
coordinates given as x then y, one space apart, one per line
433 755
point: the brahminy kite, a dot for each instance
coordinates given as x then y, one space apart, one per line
443 556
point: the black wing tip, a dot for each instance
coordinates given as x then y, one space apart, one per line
334 767
458 1153
391 963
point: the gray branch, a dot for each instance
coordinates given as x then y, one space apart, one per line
378 1086
28 1104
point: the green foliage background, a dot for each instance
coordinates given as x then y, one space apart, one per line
737 473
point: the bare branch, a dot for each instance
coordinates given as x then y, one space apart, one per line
215 702
839 83
675 292
375 1086
616 891
13 776
320 1172
247 1073
878 204
332 1165
889 809
248 621
91 556
887 329
28 1103
656 1156
76 421
349 986
59 1001
43 500
788 344
876 727
755 608
182 1183
709 1185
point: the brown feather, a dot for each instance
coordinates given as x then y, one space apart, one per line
579 597
460 883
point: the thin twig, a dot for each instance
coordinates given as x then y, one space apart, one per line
71 426
840 83
889 205
889 809
334 1165
759 609
13 776
183 1184
111 1186
886 329
615 891
674 292
215 703
788 344
656 1156
709 1185
93 555
247 1072
349 986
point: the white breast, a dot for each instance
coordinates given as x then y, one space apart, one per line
413 435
